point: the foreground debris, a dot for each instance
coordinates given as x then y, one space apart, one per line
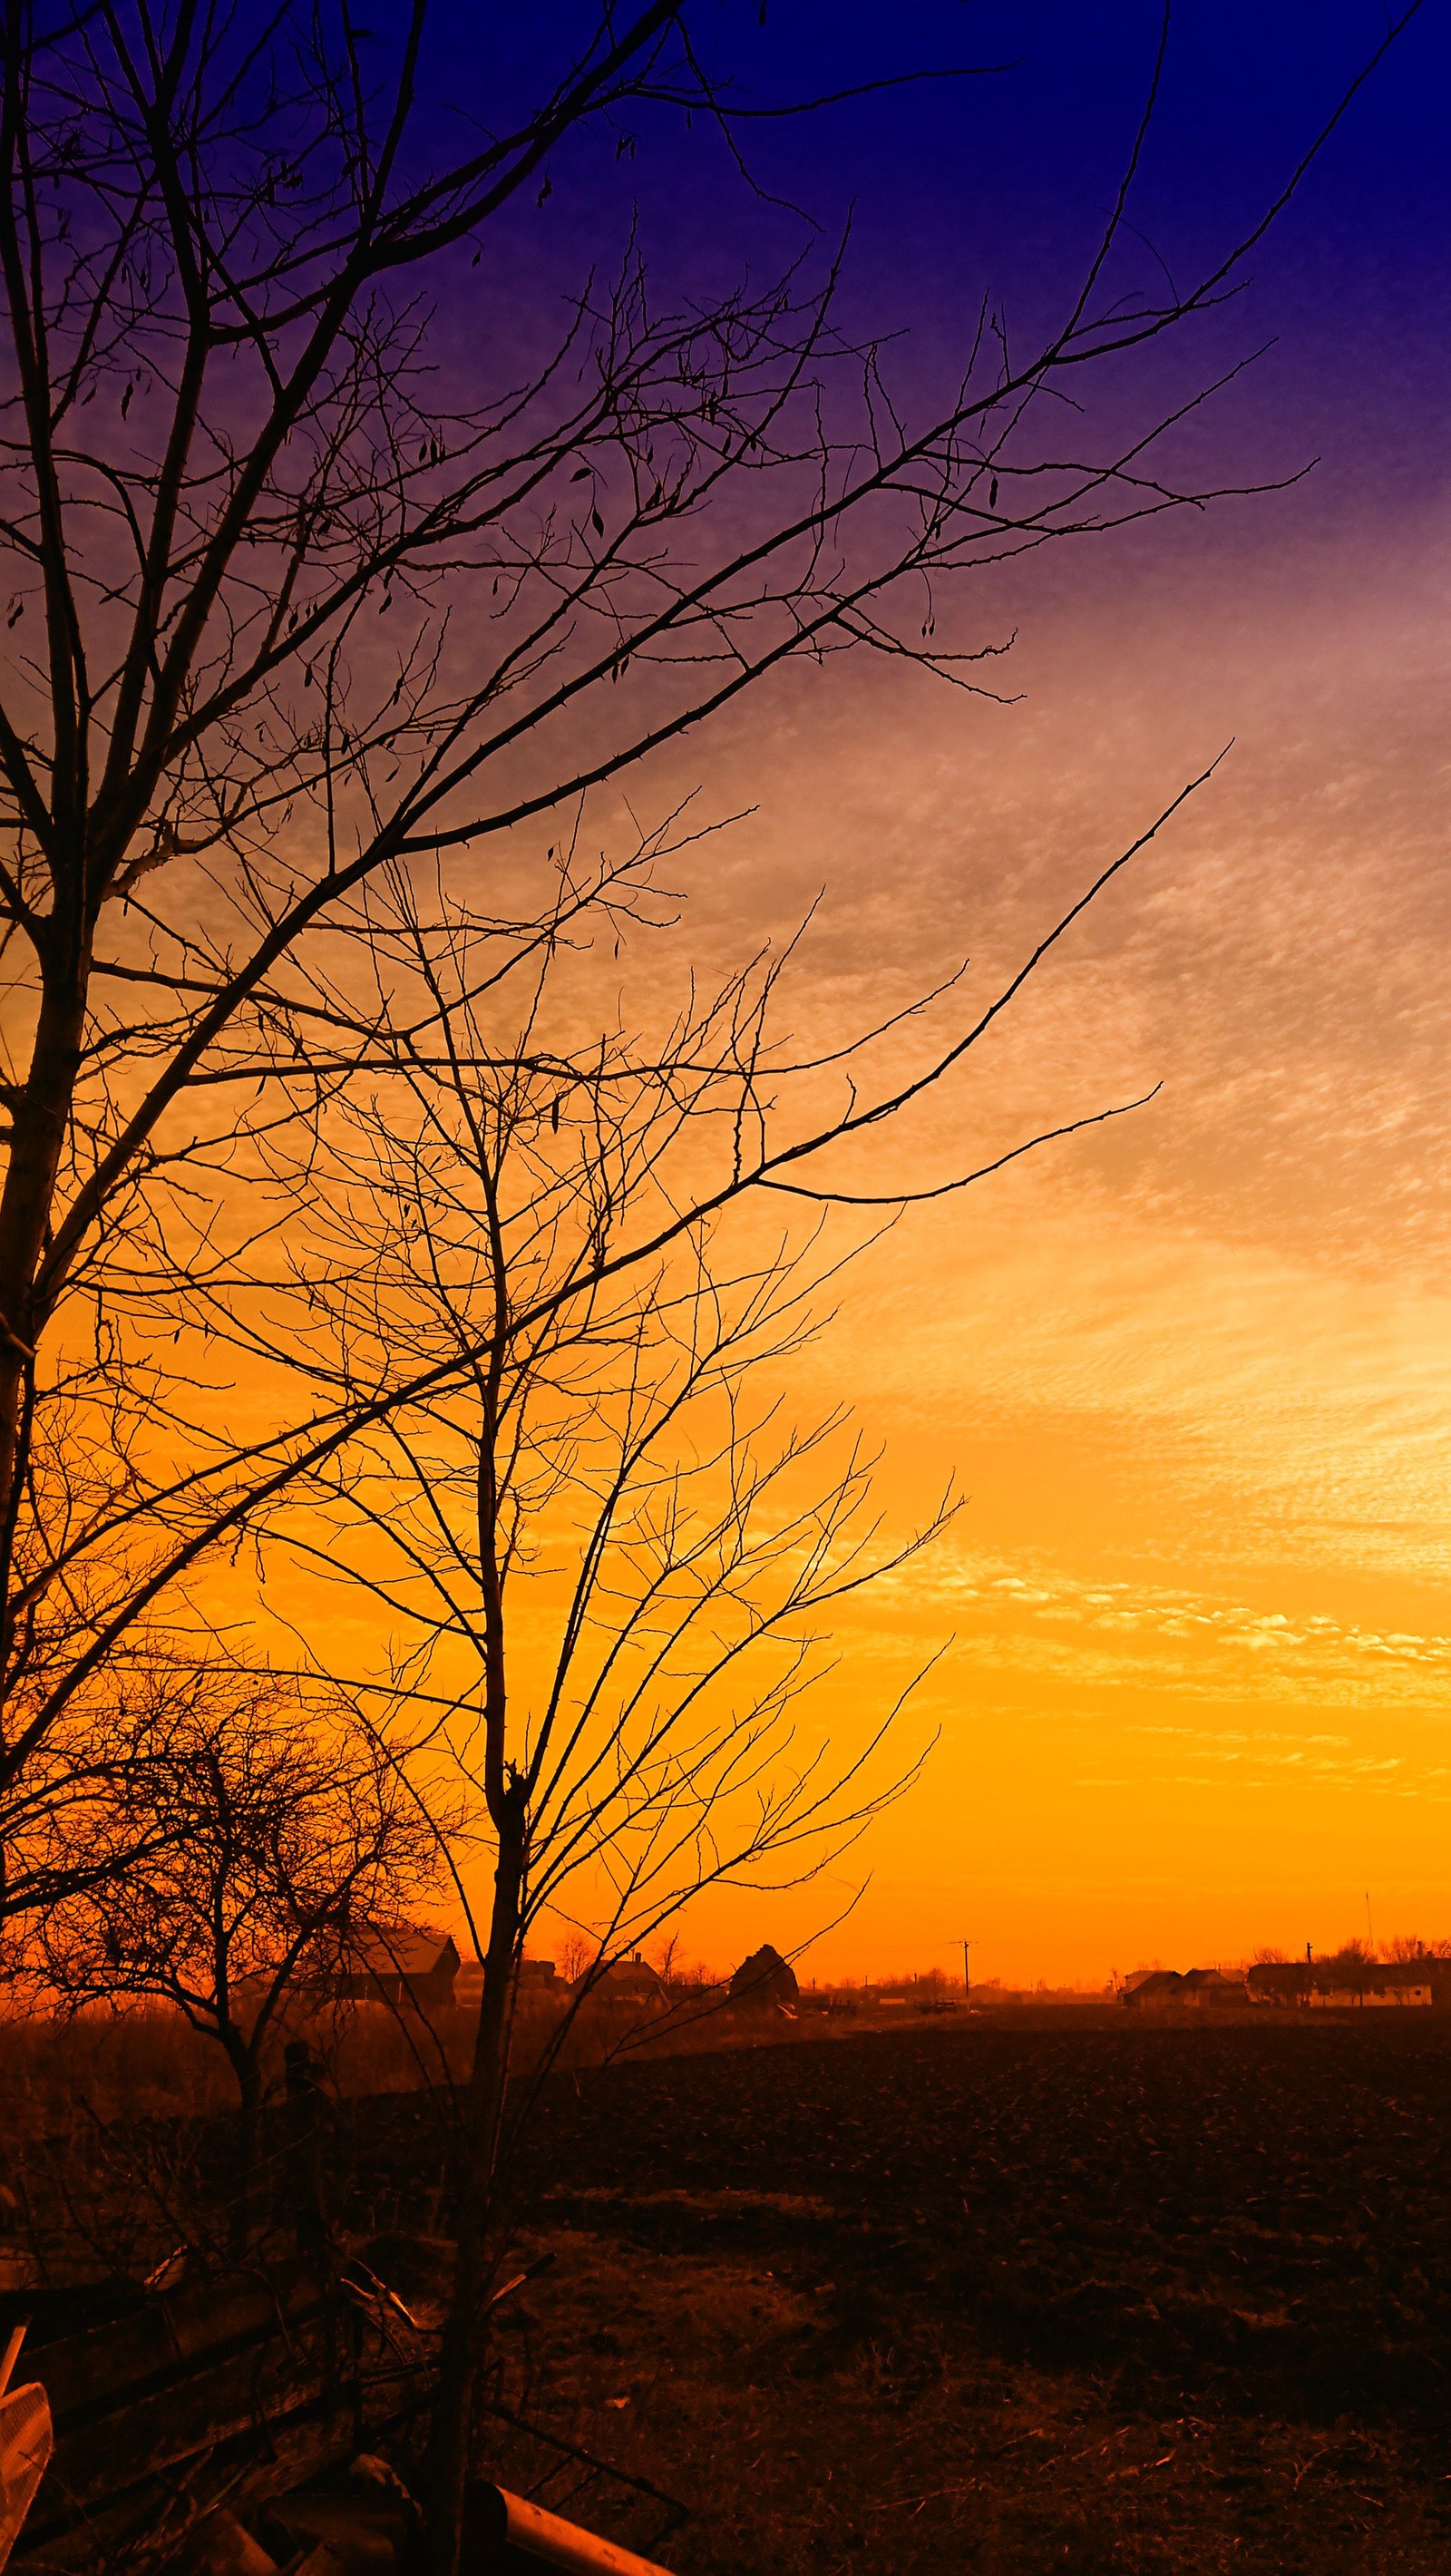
503 2531
227 2427
222 2388
25 2445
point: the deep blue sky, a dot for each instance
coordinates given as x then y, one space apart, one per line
999 185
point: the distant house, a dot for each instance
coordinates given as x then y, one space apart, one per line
1209 1990
413 1964
535 1977
766 1978
1349 1985
624 1981
1152 1986
1285 1982
1200 1990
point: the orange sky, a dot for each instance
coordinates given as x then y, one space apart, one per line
1195 1370
1191 1368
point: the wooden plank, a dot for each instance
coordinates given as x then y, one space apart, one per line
205 2395
265 2401
109 2366
25 2449
236 2474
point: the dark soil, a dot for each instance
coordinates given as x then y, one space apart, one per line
1072 2294
1002 2298
1261 2214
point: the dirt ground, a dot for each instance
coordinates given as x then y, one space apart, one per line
1004 2299
1063 2293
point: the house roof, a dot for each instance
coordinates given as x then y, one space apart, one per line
409 1950
1156 1985
633 1976
765 1967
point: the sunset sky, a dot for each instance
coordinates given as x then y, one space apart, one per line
1194 1369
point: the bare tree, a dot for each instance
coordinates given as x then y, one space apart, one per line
279 1831
576 1954
89 1802
605 1553
230 449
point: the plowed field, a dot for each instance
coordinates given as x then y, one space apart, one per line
1002 2298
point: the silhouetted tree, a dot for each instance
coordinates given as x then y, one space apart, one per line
233 446
579 1506
279 1831
79 1812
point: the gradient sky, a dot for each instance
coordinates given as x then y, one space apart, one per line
1194 1370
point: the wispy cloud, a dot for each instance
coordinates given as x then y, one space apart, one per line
1006 1599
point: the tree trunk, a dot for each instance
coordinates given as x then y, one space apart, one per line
302 2164
249 2123
464 2333
40 1121
26 1204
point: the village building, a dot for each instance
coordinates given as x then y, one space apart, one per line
625 1981
766 1979
1150 1986
1210 1990
534 1976
1350 1984
413 1964
1202 1990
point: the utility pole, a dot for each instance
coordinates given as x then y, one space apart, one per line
966 1980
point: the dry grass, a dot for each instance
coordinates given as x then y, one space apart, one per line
136 2066
146 2063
